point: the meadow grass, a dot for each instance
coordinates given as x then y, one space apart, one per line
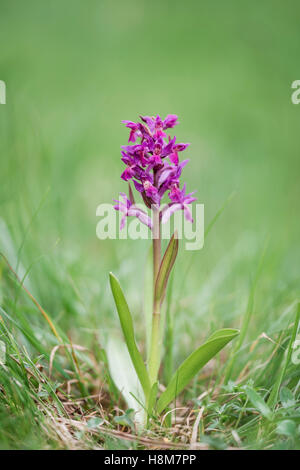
72 76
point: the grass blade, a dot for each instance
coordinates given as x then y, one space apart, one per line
246 319
259 403
206 232
275 390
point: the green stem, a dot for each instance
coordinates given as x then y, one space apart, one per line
156 244
154 360
154 357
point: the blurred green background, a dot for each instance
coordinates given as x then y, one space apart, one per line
73 71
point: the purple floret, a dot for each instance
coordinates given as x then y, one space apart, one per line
129 209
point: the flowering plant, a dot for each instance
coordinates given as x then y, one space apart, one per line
153 165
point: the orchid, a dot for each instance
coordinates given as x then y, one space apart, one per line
152 164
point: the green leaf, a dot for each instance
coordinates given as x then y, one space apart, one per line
286 397
94 422
165 268
127 419
217 443
128 331
287 428
191 366
124 376
258 402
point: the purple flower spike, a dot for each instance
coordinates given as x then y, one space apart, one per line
130 210
154 167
